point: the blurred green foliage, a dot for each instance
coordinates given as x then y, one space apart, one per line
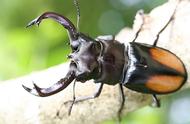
25 50
146 115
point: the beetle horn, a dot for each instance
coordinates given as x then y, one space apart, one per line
59 18
57 87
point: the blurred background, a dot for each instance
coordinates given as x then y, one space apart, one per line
23 51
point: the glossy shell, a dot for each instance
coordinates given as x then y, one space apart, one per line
153 69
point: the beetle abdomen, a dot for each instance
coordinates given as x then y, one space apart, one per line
153 70
166 58
166 83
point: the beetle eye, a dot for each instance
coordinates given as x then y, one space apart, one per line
75 46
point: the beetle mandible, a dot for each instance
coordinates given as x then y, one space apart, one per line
141 67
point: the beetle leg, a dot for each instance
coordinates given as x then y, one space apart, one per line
80 99
74 98
73 101
95 95
156 101
60 85
165 26
140 13
122 102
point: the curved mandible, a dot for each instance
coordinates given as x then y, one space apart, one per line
58 18
57 87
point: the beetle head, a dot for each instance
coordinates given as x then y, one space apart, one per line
84 54
100 60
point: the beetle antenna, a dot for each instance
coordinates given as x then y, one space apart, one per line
76 3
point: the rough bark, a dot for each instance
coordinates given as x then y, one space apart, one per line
19 107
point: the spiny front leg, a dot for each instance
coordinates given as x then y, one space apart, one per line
96 94
80 99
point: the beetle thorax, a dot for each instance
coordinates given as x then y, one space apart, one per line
101 60
111 62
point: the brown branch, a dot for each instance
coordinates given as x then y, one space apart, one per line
19 107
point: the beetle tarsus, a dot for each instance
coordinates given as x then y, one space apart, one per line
122 102
156 101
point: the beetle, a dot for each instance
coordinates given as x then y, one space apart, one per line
144 68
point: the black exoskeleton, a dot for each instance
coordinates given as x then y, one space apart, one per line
140 67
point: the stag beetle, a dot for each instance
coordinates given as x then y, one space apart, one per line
141 67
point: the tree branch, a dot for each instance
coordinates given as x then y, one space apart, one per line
19 107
